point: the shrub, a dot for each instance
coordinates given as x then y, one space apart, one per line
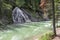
47 36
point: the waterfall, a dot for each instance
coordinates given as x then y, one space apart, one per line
19 16
29 15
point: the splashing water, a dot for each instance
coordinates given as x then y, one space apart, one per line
19 16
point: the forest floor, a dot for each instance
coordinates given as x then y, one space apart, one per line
58 34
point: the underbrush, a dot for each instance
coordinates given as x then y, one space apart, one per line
47 36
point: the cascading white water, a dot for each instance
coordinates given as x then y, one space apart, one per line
19 16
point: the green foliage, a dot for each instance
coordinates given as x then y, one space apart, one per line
47 36
56 0
5 10
33 4
20 2
7 6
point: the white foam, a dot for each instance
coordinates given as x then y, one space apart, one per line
15 37
1 38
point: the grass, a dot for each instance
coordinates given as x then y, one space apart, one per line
47 36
